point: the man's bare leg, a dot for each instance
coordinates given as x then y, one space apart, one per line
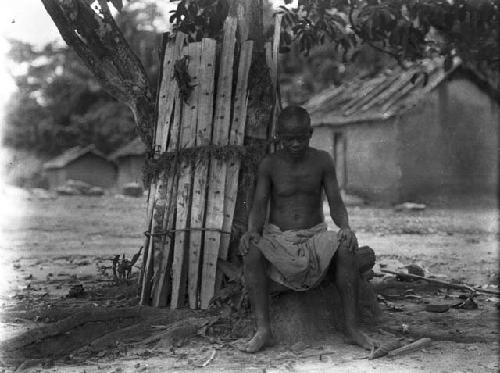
256 282
346 281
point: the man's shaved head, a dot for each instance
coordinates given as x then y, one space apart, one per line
293 118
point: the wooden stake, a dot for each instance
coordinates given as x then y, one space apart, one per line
236 137
217 175
147 224
185 172
272 56
162 290
155 203
203 138
275 51
168 94
146 272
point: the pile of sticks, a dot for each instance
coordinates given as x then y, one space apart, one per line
191 208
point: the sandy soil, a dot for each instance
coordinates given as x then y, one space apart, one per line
49 245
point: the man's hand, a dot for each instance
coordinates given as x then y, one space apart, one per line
246 239
347 237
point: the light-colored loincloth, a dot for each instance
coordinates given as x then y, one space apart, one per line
298 259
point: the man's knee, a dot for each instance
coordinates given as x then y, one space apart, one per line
344 252
346 258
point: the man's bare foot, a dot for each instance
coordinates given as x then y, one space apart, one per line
356 337
262 338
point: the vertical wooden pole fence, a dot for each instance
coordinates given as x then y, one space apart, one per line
192 197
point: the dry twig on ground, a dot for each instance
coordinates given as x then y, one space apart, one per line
408 276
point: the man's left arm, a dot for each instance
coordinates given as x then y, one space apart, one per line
338 211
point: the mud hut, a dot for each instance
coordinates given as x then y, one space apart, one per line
411 134
130 161
81 163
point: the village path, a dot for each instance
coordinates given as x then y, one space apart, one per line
51 243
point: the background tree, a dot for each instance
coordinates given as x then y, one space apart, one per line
400 28
59 103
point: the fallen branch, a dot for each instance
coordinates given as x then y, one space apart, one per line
423 342
384 349
208 360
463 287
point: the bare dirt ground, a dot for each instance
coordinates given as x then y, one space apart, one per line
49 245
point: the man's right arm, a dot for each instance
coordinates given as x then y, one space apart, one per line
258 212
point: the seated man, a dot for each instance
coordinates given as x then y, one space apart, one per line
294 248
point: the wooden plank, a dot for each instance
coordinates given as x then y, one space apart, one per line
203 138
236 137
241 16
275 51
269 59
165 96
155 201
165 50
169 141
272 69
185 172
146 268
162 289
272 62
217 174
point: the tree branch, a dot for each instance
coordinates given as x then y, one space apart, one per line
100 44
368 42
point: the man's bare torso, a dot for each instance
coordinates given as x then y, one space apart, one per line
292 180
296 189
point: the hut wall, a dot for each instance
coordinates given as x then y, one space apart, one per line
371 159
449 143
372 164
93 170
323 138
55 177
130 170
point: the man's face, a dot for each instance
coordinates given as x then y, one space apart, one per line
294 138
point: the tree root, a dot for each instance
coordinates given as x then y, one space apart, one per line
65 325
